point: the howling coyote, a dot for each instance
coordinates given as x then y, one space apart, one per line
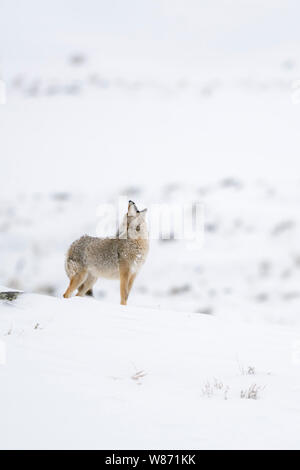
112 258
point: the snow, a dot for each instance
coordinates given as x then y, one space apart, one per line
162 103
82 373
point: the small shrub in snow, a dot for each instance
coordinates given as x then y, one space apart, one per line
208 390
251 393
10 295
226 391
217 384
138 376
250 370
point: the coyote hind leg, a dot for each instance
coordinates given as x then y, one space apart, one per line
75 283
86 286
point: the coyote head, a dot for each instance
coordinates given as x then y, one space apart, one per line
134 225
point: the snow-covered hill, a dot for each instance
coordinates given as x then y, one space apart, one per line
82 373
247 268
167 102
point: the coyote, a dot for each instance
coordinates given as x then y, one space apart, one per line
112 258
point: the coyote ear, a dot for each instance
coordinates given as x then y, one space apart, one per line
132 209
143 212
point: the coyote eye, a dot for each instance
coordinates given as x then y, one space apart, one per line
138 228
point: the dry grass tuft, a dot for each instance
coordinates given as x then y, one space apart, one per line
251 393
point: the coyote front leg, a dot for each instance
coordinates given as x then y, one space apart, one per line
124 278
130 283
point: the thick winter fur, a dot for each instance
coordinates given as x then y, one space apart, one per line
112 258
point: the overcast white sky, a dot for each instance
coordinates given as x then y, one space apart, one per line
232 133
159 30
